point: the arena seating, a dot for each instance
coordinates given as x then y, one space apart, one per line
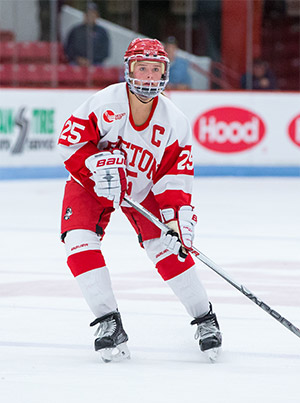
6 35
44 64
24 75
31 52
62 75
281 49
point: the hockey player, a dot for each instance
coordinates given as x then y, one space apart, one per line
131 138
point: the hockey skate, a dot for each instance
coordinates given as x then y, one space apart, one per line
111 339
208 333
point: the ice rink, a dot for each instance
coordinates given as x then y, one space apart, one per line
249 226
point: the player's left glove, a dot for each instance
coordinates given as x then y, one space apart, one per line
108 170
182 225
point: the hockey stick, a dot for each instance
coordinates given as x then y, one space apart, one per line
217 269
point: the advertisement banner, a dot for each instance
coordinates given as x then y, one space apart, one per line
30 122
243 128
233 132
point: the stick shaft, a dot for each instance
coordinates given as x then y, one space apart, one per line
217 269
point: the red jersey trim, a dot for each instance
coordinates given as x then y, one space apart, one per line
146 124
76 162
173 198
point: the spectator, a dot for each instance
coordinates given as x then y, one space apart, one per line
179 78
261 78
88 43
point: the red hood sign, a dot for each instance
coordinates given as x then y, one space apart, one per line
294 130
229 129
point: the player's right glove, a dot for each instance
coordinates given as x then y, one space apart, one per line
180 237
108 170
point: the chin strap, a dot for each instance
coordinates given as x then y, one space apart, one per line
143 102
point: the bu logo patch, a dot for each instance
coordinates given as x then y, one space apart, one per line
110 116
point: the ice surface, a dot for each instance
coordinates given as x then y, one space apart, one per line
250 227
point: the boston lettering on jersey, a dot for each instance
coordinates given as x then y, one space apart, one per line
158 157
137 157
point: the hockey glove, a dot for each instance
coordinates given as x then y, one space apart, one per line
180 237
108 170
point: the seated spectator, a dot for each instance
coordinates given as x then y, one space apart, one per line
88 43
262 77
179 75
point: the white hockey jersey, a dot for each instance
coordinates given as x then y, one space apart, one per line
158 153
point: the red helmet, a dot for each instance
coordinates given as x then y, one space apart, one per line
147 50
150 48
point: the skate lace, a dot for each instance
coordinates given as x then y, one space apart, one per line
206 329
106 328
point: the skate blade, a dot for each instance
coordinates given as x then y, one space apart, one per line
212 354
115 354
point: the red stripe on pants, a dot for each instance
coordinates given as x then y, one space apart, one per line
170 266
85 261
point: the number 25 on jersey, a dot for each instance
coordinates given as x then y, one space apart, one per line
71 132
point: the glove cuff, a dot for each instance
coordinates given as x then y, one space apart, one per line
168 214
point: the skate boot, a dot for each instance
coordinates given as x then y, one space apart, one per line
111 338
208 332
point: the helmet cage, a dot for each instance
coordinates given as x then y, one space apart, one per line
142 87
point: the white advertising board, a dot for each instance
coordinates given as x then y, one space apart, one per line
243 128
230 130
30 122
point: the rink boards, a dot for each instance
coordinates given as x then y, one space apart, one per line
234 133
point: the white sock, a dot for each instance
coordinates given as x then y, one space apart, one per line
97 291
188 287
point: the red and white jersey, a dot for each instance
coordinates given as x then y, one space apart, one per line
158 153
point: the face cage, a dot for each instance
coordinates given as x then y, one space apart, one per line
155 87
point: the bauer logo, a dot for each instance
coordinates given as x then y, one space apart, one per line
229 129
109 116
294 130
